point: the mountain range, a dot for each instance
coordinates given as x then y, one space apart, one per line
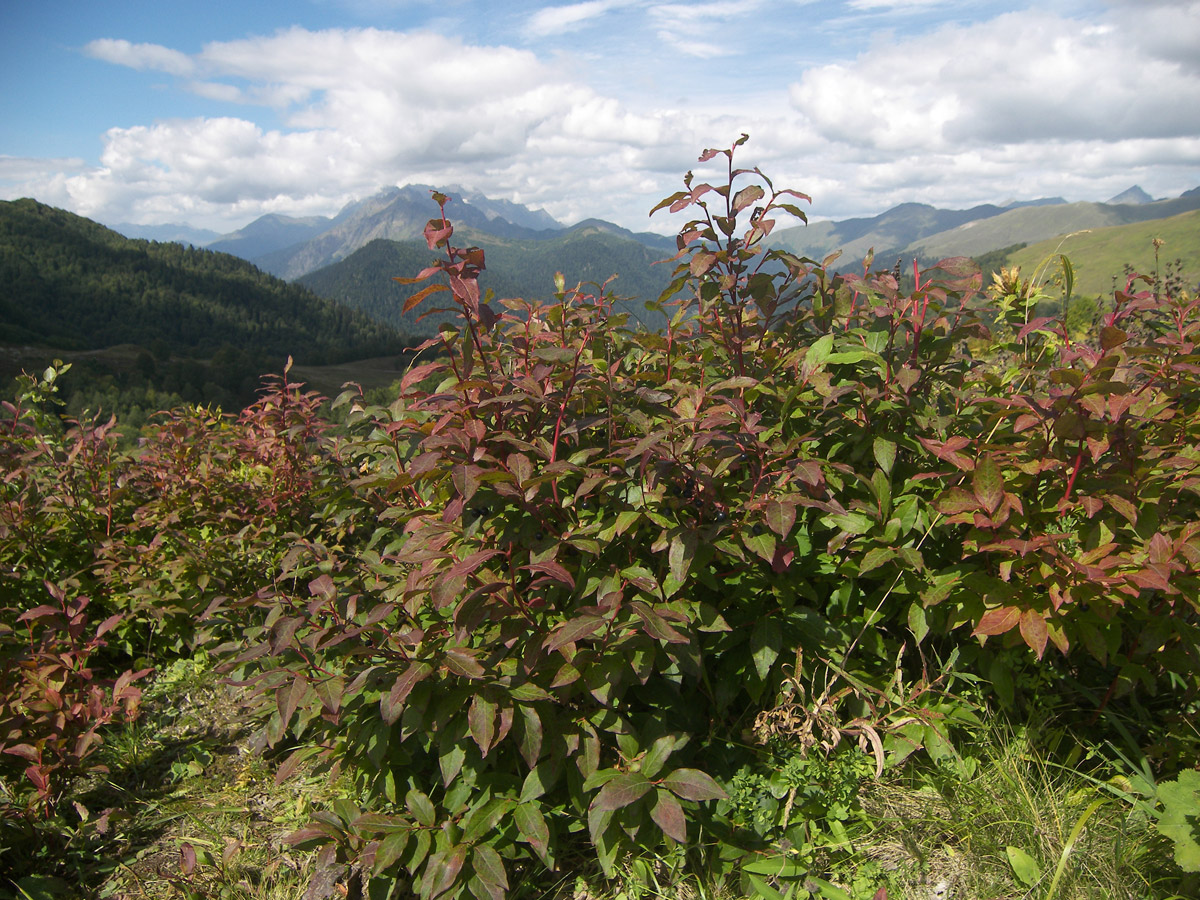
292 248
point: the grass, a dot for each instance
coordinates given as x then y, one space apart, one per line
1099 255
1013 822
1020 826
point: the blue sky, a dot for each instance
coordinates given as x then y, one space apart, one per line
215 113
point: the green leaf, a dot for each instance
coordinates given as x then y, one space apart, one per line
531 825
1180 820
916 621
421 807
874 558
818 352
885 453
987 483
390 849
488 866
746 196
762 545
765 643
1024 866
481 717
681 553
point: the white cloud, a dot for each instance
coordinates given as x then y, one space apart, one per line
1026 104
558 19
141 56
1020 78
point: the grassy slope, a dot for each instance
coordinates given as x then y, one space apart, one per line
1038 223
1099 254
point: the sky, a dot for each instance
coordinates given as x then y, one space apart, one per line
216 113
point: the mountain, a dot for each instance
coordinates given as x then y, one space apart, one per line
398 214
179 233
887 232
516 267
1029 225
515 213
1133 195
72 283
269 233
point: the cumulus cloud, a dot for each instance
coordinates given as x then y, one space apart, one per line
1022 77
1026 104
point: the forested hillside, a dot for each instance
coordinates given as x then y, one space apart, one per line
73 284
588 252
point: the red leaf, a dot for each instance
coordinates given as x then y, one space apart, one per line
1033 630
998 621
418 374
420 276
415 299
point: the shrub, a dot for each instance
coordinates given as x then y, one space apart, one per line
582 562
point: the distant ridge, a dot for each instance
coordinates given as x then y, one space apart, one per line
178 233
916 230
269 233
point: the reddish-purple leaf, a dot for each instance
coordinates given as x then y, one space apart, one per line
187 858
668 815
692 784
481 717
392 704
554 570
621 791
462 661
323 586
656 626
442 870
571 631
998 621
780 517
531 825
